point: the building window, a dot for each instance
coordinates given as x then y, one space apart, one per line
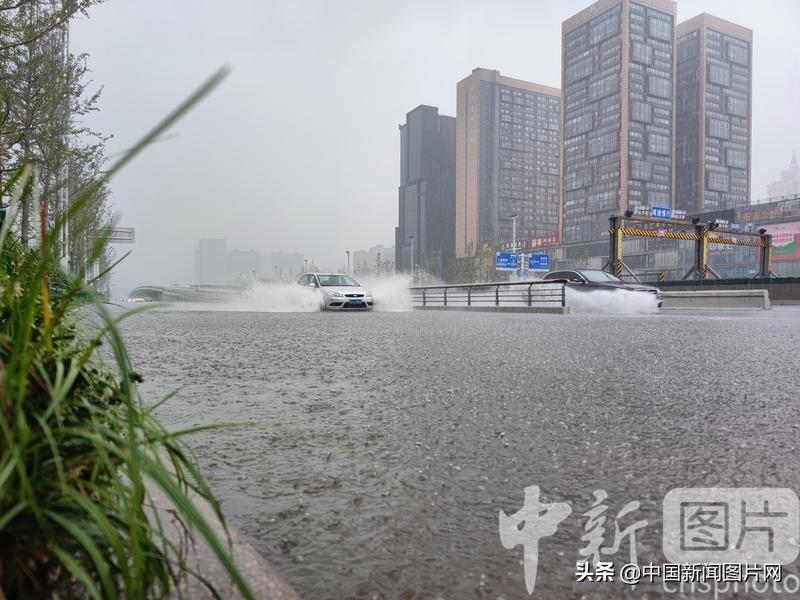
736 106
719 75
641 53
688 46
579 70
603 144
604 29
602 201
737 54
578 179
719 129
658 144
659 87
736 158
578 125
659 28
601 88
717 182
641 111
641 170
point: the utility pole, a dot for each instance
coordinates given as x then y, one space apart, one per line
305 265
513 218
411 237
348 261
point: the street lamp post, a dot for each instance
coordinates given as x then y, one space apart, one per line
348 260
305 265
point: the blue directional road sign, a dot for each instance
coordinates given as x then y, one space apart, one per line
539 262
506 261
659 212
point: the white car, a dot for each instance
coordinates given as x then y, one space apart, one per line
338 291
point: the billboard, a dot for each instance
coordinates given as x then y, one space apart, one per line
785 240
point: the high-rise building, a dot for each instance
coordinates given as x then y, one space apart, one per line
210 262
507 160
427 190
789 182
618 66
713 109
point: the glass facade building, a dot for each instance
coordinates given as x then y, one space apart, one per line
507 160
713 114
618 74
427 190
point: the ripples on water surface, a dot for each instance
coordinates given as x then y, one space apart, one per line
465 410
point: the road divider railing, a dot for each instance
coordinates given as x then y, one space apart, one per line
516 296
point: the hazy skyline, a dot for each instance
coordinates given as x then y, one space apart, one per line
299 149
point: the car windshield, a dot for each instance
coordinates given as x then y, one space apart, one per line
599 276
336 281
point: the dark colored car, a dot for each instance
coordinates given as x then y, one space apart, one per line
590 279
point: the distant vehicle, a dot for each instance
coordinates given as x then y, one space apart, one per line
590 279
338 291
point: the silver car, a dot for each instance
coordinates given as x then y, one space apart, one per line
338 291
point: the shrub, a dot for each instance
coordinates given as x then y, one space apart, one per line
80 455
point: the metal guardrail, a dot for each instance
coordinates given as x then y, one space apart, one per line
499 295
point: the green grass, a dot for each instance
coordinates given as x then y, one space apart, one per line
80 454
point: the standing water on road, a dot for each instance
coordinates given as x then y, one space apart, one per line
376 450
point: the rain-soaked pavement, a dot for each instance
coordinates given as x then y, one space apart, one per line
381 447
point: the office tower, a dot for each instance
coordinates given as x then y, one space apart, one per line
426 194
713 110
210 262
618 97
507 160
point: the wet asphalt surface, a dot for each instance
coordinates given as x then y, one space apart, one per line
375 451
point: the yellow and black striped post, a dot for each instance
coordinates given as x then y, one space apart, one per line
661 277
615 248
701 252
765 266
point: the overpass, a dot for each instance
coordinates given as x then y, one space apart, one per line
189 293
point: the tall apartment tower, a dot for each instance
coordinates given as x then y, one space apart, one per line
507 160
427 190
618 85
713 110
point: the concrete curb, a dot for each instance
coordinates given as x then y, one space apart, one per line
264 580
719 299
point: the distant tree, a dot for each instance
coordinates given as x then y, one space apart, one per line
580 259
469 263
43 97
487 264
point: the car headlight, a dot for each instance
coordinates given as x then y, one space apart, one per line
335 294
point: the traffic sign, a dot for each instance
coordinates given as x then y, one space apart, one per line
539 262
658 212
506 261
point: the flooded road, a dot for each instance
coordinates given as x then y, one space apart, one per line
376 450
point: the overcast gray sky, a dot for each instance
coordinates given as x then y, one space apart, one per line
299 148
